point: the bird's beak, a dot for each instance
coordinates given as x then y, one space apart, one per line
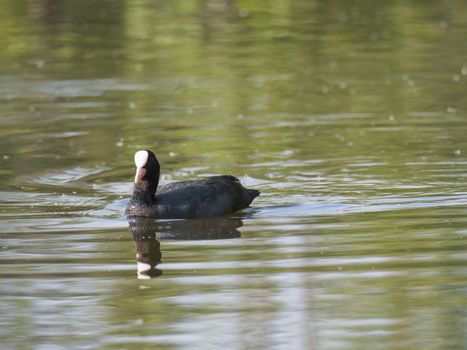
140 172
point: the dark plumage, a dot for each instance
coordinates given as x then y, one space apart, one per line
208 197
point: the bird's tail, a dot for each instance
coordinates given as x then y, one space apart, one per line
253 193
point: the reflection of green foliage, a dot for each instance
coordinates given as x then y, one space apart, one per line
319 78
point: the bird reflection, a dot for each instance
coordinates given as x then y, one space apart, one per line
146 232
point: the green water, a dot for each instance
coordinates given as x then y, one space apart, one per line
350 117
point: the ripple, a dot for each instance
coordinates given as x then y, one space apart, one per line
22 89
55 135
68 175
37 199
347 205
115 188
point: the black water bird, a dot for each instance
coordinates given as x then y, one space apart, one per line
209 197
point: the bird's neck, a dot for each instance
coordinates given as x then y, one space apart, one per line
144 192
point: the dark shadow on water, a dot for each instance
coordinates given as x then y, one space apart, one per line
147 232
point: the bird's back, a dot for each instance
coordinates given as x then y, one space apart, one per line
212 196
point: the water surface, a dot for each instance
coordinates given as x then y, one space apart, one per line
349 117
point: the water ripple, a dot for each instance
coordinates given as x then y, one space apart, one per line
67 175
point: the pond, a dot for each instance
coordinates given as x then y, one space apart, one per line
350 117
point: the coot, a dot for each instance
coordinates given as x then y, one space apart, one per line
208 197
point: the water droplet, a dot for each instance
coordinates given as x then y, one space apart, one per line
457 152
39 64
443 25
243 13
456 77
138 67
342 17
